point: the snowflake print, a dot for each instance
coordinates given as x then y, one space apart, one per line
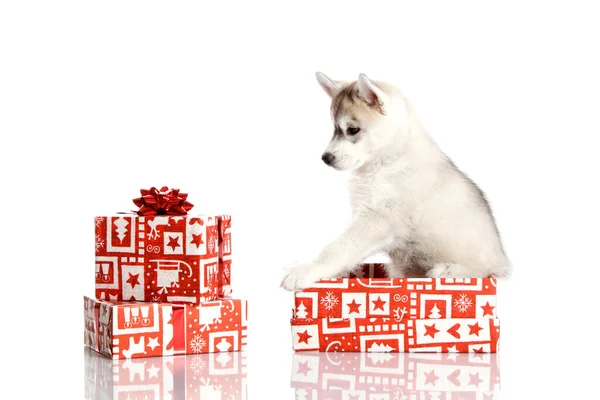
99 243
197 365
329 301
99 220
463 304
197 343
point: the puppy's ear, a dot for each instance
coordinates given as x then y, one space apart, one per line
330 86
371 93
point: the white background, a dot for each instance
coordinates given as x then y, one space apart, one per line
100 99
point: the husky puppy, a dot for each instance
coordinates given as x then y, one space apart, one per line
407 197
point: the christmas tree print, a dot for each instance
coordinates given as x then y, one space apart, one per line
301 311
435 312
380 348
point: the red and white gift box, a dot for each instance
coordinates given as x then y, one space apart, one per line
167 258
135 329
369 312
322 376
219 376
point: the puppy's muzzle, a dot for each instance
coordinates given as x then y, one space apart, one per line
328 158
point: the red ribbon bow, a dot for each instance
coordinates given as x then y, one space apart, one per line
162 202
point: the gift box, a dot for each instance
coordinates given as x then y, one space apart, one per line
135 329
163 254
404 376
218 376
370 312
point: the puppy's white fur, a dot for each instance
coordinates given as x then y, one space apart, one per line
407 197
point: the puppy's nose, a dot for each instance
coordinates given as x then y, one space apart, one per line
328 158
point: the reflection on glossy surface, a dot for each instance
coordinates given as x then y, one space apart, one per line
193 376
395 376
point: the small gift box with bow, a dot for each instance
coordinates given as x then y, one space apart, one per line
162 253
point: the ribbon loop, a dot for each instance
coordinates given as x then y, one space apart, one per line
162 202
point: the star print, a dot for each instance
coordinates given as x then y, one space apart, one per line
474 329
153 372
303 368
133 279
303 337
353 307
475 380
479 350
431 330
487 309
173 242
197 240
431 377
378 303
153 343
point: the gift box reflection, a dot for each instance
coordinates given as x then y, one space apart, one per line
192 376
396 376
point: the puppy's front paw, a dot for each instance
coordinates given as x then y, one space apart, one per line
446 270
301 276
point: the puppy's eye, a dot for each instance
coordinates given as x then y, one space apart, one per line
352 131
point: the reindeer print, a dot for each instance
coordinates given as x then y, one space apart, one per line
135 348
153 224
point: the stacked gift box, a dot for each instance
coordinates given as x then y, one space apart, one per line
369 312
162 280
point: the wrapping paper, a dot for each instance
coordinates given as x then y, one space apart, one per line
369 312
179 259
135 329
362 376
215 376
